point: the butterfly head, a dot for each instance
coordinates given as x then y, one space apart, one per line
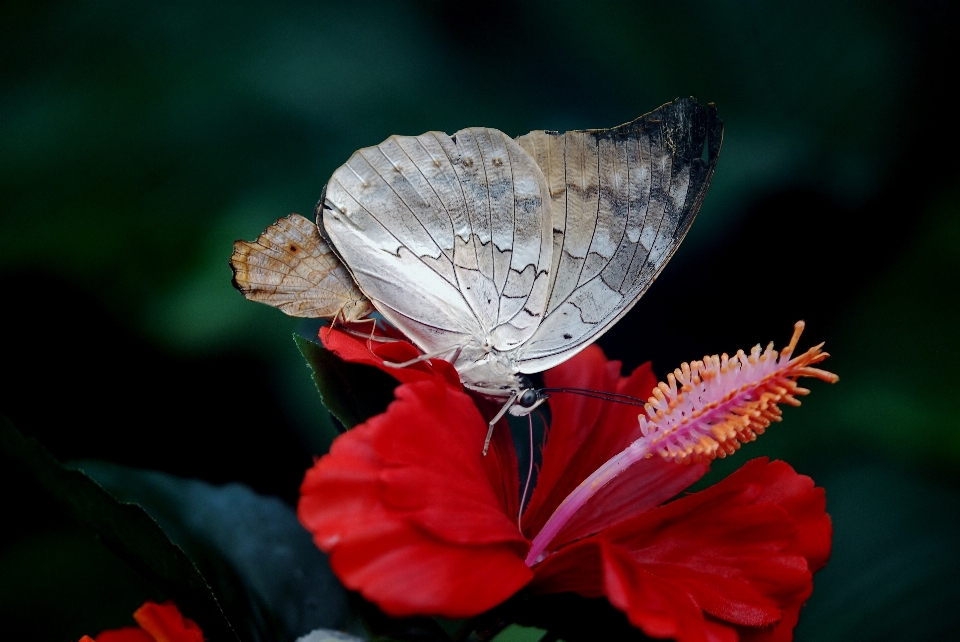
529 398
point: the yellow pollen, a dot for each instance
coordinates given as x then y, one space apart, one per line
722 402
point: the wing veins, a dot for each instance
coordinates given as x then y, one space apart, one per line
466 213
402 244
513 236
419 193
663 215
623 234
596 218
400 198
486 183
453 227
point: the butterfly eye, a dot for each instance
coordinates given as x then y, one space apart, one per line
529 398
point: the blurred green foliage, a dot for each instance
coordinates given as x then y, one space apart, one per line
138 140
141 141
898 344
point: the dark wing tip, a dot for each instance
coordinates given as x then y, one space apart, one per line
689 127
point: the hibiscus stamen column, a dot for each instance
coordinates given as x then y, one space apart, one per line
704 410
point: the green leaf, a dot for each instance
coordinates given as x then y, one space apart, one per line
352 392
517 633
125 529
251 548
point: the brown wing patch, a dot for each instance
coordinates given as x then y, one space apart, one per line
291 267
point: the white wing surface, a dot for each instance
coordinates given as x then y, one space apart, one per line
622 200
449 237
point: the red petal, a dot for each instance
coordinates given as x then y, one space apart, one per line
782 631
577 568
586 432
126 634
165 623
406 571
502 468
373 353
431 444
659 608
341 493
741 551
594 567
806 505
754 529
355 349
404 506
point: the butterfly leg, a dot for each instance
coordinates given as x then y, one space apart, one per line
373 333
493 422
337 316
422 357
371 337
345 325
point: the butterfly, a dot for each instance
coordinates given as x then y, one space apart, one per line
291 267
508 256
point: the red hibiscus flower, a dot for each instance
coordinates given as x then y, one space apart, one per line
421 524
158 623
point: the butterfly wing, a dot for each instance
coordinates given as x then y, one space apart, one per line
449 237
291 267
622 200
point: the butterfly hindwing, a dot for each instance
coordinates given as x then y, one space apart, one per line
291 267
448 236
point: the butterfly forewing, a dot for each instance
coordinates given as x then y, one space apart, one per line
622 201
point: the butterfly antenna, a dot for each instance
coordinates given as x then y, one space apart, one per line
526 486
598 394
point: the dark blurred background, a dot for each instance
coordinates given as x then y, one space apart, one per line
139 140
